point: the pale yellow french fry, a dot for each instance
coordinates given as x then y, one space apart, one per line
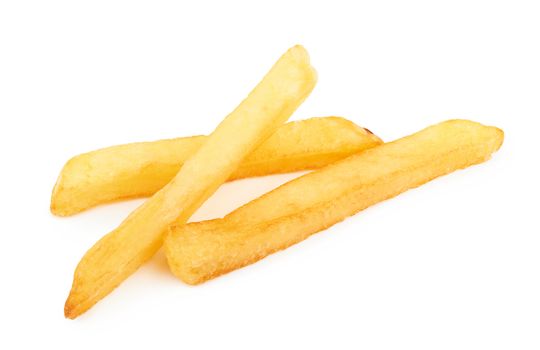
289 214
141 169
120 253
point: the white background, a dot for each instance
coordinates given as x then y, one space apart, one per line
451 265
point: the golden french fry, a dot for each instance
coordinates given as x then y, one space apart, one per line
289 214
141 169
120 253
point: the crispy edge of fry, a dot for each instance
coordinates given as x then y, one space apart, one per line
141 169
121 252
197 252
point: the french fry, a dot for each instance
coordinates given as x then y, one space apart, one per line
289 214
120 253
141 169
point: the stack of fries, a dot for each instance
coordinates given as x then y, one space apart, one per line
354 169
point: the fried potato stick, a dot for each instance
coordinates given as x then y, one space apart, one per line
141 169
120 253
197 252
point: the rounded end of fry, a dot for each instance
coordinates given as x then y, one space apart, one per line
56 193
57 211
376 139
76 304
80 298
181 266
363 133
500 137
70 310
493 136
299 53
61 205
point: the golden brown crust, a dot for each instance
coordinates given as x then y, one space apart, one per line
141 169
121 252
291 213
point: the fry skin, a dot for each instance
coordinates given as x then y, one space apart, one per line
141 169
120 253
197 252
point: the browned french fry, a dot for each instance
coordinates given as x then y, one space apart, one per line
197 252
120 253
141 169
